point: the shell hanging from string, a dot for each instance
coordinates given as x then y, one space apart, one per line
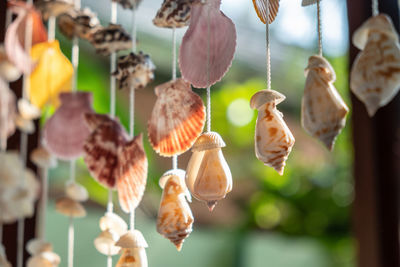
78 22
27 113
177 119
107 40
323 111
42 254
261 8
375 75
173 14
133 251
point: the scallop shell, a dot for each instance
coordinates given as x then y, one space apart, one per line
42 158
261 8
132 239
70 207
173 14
128 4
111 221
111 39
134 70
177 119
54 8
76 191
323 110
8 112
198 66
102 146
132 257
309 2
78 22
375 75
273 138
175 219
8 71
27 110
105 243
66 131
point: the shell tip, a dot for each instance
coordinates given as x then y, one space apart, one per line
211 205
179 246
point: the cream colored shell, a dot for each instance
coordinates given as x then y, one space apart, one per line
133 257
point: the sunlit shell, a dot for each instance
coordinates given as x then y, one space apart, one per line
111 39
66 131
70 207
177 119
78 22
262 12
208 176
42 158
76 191
8 71
323 111
173 14
207 49
54 8
273 139
111 221
309 2
102 146
52 75
132 257
37 246
105 243
134 70
8 112
175 219
132 239
128 4
27 110
375 75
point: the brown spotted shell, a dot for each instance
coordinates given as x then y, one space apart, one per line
323 110
273 138
113 38
76 22
261 8
177 119
173 14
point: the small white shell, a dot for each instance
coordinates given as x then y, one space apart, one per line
105 243
42 158
111 221
70 207
27 110
24 125
76 192
132 239
37 246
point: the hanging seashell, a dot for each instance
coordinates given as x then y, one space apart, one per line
26 126
208 176
76 192
134 70
8 71
36 246
66 131
207 49
44 259
53 8
105 243
273 139
102 146
131 181
70 207
375 75
79 22
173 14
261 8
132 239
52 75
128 4
111 221
175 219
3 257
27 110
323 112
177 119
132 257
111 39
7 113
41 157
309 2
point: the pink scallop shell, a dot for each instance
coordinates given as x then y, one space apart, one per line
221 40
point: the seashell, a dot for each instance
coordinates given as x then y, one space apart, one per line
7 113
41 157
8 71
26 126
323 110
79 22
132 239
66 131
309 2
38 261
175 219
198 66
10 177
133 257
3 257
177 119
111 39
261 8
111 221
105 243
102 146
49 8
208 176
70 207
173 14
375 75
36 246
76 192
273 139
27 110
131 181
134 70
128 4
53 74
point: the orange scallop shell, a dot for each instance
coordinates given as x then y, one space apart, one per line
261 8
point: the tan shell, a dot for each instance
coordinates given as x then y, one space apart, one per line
207 141
70 208
24 125
37 246
177 119
133 257
173 14
76 192
175 219
323 110
44 259
132 239
105 243
111 221
261 9
27 110
375 75
42 158
273 138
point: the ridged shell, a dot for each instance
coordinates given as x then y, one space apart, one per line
132 239
8 112
207 141
199 67
264 96
132 177
102 146
375 75
177 119
132 257
54 8
111 39
66 131
273 138
309 2
128 4
76 22
323 110
173 14
175 219
261 9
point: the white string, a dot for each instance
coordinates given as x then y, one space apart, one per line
113 64
208 109
75 62
110 205
20 241
1 233
41 221
132 219
71 236
72 172
375 7
134 31
319 27
208 74
174 157
268 44
51 28
4 115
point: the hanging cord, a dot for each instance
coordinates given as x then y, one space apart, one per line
174 157
268 47
208 74
71 236
41 220
319 27
375 7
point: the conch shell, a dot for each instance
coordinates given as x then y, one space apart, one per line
261 8
323 112
208 176
273 139
175 219
177 119
375 76
207 49
173 14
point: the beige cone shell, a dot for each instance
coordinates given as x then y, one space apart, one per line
42 158
323 112
273 138
105 243
113 222
375 75
76 192
70 208
132 239
133 257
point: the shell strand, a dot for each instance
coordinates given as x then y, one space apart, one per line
268 50
208 75
319 27
175 157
